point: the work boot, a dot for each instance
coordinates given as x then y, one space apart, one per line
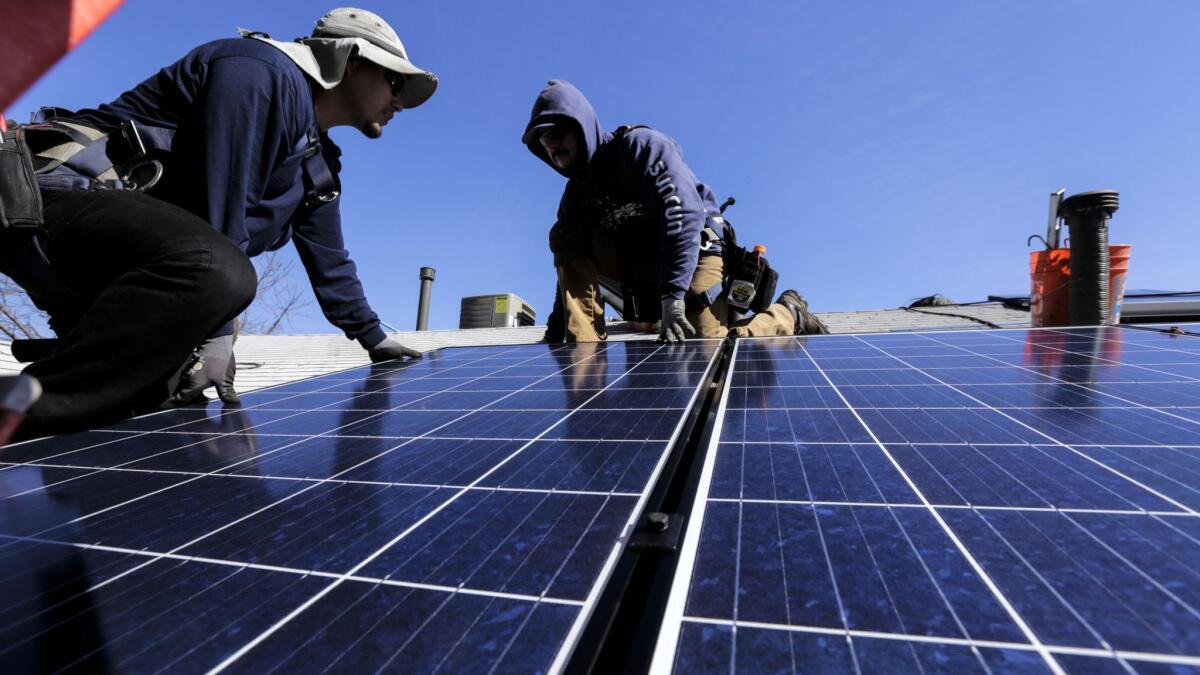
28 351
806 322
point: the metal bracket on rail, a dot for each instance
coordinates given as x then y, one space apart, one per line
659 533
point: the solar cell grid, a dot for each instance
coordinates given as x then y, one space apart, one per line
451 513
989 501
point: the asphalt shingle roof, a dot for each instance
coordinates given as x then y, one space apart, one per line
267 360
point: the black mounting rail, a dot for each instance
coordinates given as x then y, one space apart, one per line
621 633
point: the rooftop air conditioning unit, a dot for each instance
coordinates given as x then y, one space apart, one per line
506 310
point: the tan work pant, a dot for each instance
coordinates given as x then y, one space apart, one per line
584 307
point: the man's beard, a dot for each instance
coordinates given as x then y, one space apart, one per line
371 130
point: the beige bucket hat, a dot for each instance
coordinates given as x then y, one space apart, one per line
343 32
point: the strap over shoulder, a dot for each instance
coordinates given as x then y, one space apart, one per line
321 185
624 129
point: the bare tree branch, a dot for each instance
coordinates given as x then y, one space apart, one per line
277 299
284 311
18 316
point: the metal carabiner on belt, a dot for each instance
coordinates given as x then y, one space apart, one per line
143 175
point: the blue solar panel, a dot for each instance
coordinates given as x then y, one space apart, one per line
459 513
991 501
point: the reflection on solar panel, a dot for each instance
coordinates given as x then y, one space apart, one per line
460 513
991 501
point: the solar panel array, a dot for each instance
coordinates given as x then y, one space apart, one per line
459 513
992 501
995 501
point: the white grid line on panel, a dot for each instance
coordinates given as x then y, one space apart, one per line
158 555
335 481
1063 650
962 507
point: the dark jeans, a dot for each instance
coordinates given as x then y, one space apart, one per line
132 284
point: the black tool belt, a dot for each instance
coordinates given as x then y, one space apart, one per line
69 155
20 199
740 265
751 271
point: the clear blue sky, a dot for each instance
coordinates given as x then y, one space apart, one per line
881 150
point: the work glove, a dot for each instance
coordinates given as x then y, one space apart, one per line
675 326
389 349
212 365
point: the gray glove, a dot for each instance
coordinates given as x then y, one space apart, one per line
675 326
389 349
213 365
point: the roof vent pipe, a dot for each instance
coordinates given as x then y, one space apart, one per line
427 274
1087 214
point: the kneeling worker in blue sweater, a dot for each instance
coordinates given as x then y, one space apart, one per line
154 203
634 220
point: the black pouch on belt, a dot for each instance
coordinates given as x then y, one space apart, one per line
764 295
750 279
20 199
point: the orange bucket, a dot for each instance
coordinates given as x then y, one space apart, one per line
1049 294
1050 277
1118 268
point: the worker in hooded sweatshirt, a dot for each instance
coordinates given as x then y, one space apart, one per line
634 219
155 202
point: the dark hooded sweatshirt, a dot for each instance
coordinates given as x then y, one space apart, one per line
240 111
635 183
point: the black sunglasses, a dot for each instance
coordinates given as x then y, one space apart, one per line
554 133
396 80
